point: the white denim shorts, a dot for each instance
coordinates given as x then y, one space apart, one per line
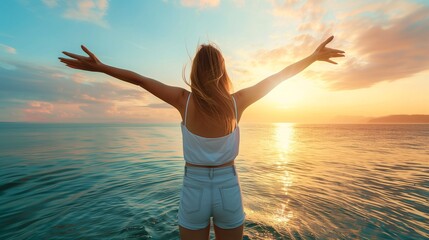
211 192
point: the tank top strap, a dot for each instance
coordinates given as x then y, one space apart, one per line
186 108
235 108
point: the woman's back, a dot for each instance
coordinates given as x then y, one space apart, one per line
205 126
207 144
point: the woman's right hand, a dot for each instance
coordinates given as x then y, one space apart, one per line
322 53
90 63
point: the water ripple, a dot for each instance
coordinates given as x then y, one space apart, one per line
298 181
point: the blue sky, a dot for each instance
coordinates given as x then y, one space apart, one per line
384 72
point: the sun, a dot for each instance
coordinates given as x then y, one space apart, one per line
292 93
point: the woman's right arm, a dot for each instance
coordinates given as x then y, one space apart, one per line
174 96
248 96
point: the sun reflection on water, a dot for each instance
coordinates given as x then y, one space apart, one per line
268 200
284 134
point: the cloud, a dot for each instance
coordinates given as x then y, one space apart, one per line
308 16
384 52
159 105
384 41
200 3
258 64
53 94
304 16
99 108
7 66
29 81
7 48
309 10
88 10
92 11
41 93
43 111
41 107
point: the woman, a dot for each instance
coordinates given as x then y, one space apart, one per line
210 132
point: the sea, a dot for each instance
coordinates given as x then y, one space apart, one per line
299 181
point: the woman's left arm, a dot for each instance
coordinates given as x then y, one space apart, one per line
252 94
174 96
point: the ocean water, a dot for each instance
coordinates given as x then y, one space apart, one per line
122 181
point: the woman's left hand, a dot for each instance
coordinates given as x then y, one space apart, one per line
323 53
90 63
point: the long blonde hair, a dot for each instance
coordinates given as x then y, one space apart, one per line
211 86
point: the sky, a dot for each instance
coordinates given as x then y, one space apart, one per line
385 70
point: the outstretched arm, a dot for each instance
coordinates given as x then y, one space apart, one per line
172 95
248 96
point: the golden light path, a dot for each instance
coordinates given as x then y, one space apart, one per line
284 141
267 202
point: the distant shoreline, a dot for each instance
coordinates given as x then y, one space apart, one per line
402 119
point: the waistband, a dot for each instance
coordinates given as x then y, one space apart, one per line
211 172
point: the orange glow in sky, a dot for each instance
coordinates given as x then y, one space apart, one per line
384 73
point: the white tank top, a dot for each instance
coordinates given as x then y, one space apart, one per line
205 151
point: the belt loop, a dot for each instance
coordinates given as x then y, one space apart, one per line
211 173
233 169
186 170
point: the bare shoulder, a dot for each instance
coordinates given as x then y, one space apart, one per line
241 101
181 102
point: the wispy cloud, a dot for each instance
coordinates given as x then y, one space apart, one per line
384 51
159 105
384 41
249 66
7 48
93 11
46 93
200 3
304 11
51 94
